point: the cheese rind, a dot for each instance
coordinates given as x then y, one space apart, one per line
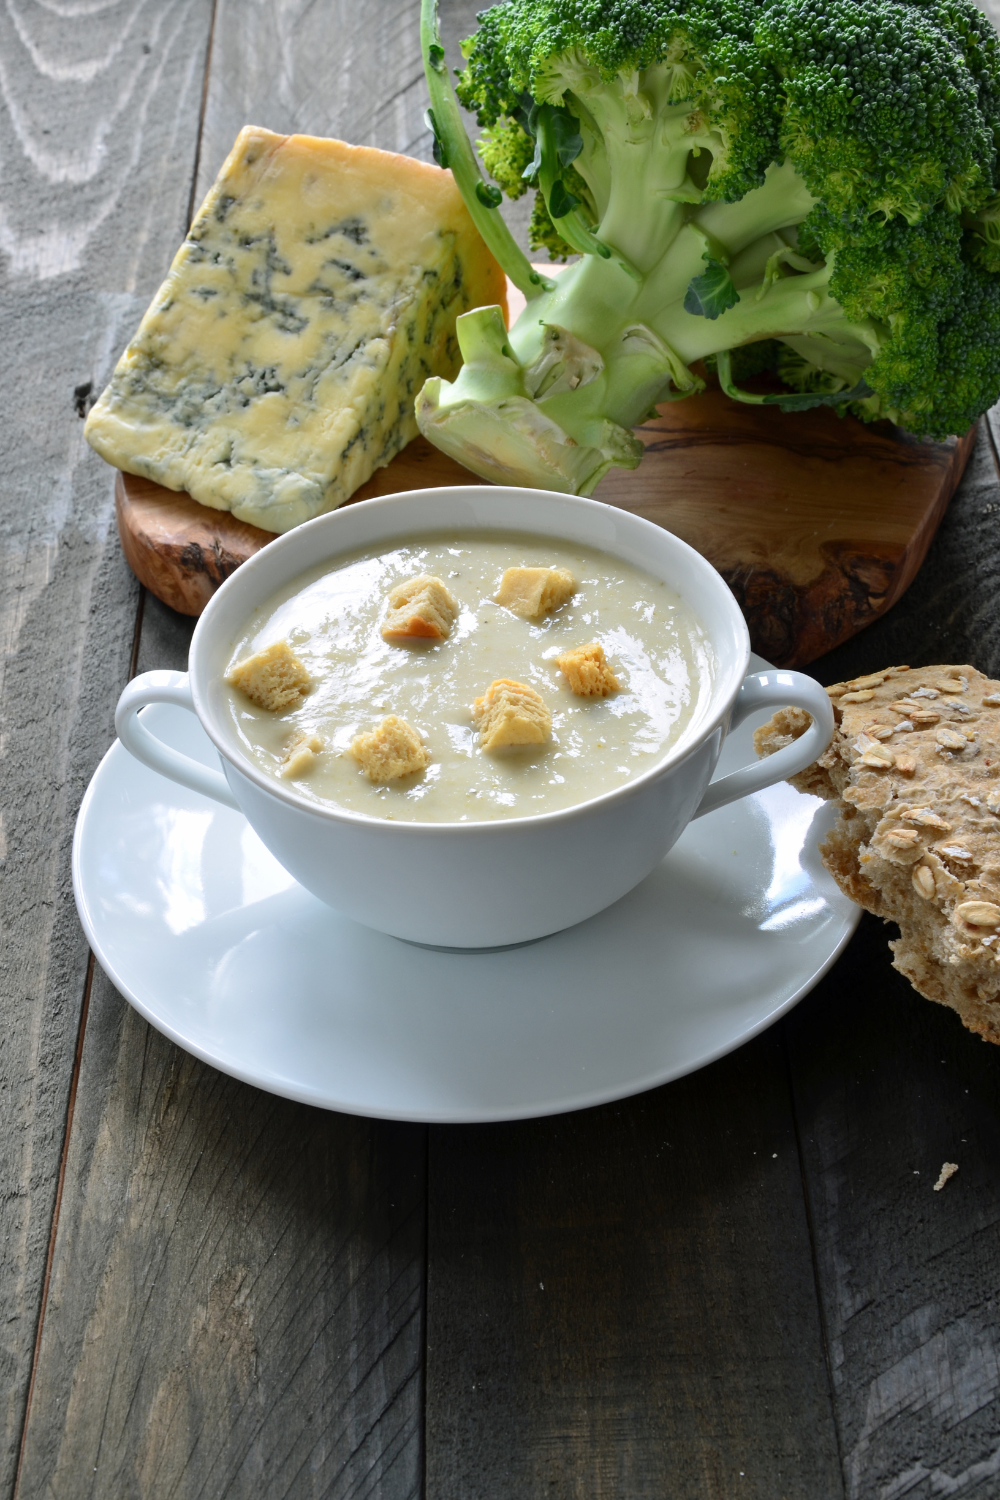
277 366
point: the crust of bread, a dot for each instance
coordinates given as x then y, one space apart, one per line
914 766
511 713
274 679
533 592
586 670
420 607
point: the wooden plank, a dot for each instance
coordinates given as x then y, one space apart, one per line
97 133
325 69
888 1087
182 551
817 523
236 1297
621 1302
235 1303
949 613
275 64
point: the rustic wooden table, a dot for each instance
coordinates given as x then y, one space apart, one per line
739 1285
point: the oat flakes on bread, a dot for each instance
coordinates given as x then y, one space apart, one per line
915 764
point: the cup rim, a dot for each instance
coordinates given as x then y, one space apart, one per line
729 681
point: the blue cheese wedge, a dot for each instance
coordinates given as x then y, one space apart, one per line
315 293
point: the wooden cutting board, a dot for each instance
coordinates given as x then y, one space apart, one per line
817 522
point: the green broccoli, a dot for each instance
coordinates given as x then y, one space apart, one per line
823 173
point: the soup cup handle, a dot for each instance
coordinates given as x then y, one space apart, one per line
774 689
166 687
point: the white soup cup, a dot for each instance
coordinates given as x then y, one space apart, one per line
478 884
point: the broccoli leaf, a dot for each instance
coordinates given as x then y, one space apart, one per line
712 292
566 135
561 202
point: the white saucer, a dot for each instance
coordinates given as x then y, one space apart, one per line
210 940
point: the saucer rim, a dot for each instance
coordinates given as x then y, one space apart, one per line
283 1088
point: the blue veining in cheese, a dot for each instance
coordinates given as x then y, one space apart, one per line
315 293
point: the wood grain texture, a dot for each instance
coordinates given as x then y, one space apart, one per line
621 1301
331 69
235 1280
89 211
888 1087
236 1297
817 523
182 551
235 1302
949 614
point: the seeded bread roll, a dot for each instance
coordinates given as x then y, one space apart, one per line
915 765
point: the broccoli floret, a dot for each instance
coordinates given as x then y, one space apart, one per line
507 149
820 173
543 234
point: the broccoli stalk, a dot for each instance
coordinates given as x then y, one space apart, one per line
452 150
818 172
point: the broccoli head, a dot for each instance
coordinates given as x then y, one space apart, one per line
819 177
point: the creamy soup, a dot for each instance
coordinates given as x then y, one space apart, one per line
331 618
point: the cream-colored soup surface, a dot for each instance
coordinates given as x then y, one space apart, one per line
331 619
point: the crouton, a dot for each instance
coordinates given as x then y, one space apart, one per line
300 756
532 592
510 713
274 679
586 670
423 607
392 750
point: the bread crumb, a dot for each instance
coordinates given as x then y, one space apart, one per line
421 607
274 679
587 672
300 756
392 750
532 592
948 1170
511 713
